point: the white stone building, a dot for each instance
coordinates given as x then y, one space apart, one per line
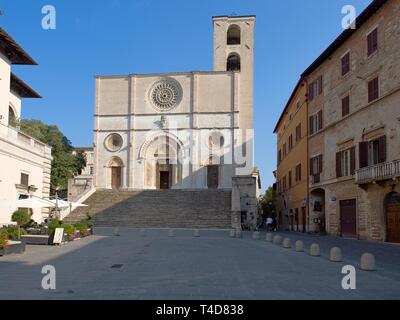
25 163
132 111
186 130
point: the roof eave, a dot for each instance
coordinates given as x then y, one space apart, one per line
21 88
13 51
299 82
344 36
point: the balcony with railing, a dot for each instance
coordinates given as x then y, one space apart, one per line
378 172
17 137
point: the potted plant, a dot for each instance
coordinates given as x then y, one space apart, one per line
69 231
81 228
22 218
53 225
3 241
89 226
14 232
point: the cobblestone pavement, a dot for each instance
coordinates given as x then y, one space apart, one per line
212 266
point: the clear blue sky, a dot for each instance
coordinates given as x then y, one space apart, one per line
146 36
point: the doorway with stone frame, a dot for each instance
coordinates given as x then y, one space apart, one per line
162 155
392 212
348 218
115 173
213 171
164 174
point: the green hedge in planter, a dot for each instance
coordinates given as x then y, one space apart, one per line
54 224
83 227
3 239
69 229
87 223
13 232
80 227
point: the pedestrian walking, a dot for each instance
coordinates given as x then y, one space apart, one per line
269 222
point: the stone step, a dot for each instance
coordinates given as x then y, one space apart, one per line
157 208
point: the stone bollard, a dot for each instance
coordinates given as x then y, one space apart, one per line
299 246
116 232
238 233
256 235
367 262
142 232
171 233
335 255
286 243
232 233
277 240
314 250
268 237
196 233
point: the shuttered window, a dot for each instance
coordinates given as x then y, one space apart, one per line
290 142
319 120
373 89
316 168
298 172
311 124
363 154
346 64
372 152
345 106
372 41
377 151
316 122
345 163
298 133
315 88
353 160
24 179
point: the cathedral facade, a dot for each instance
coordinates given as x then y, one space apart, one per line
184 130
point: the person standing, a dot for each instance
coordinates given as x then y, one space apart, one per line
269 222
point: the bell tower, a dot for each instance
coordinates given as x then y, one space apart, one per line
234 51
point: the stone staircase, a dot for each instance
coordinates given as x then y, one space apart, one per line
157 209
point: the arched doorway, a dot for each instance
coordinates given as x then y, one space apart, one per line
162 155
115 166
12 117
392 208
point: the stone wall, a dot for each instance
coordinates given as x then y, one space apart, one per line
366 120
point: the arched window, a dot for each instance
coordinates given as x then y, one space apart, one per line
233 35
216 140
115 162
233 62
12 118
